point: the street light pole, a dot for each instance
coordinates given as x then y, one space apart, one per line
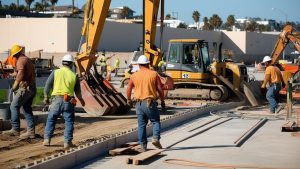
285 14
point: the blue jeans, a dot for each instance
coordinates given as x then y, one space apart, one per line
145 113
23 97
59 106
273 95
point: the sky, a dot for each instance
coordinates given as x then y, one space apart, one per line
265 9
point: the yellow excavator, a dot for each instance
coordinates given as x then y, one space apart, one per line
287 35
100 96
196 77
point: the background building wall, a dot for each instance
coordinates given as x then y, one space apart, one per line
60 35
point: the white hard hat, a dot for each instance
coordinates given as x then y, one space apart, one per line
68 58
266 59
142 60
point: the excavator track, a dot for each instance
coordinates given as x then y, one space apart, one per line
195 90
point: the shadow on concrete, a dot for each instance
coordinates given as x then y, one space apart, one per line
200 147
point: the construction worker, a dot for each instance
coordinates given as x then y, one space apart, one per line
145 93
24 88
10 62
117 66
63 83
274 78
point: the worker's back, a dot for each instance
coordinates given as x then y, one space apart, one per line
144 82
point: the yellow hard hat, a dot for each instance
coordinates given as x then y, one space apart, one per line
15 50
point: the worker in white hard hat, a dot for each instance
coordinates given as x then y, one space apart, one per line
147 89
25 89
274 78
63 83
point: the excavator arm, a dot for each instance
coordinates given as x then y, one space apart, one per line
94 19
151 8
286 36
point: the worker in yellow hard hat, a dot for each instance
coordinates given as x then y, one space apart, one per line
25 90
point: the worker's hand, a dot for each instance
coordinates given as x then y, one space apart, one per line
82 102
129 103
163 105
283 85
263 86
46 100
15 86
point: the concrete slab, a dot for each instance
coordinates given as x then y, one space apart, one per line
268 147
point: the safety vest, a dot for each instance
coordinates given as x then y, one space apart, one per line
64 82
117 63
103 60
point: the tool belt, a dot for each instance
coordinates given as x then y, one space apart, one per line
68 98
149 101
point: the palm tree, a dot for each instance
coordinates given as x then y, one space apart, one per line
206 25
53 2
230 21
29 2
215 21
13 7
196 17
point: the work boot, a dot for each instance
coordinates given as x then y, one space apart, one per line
12 132
46 142
141 149
156 144
69 145
29 134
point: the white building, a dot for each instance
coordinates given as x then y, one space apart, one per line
171 23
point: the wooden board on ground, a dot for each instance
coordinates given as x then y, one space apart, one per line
289 126
136 160
127 147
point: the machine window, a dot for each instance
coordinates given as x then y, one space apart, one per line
206 60
190 54
174 53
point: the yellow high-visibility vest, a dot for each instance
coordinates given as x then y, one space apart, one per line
64 82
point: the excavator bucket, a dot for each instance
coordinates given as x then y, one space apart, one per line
101 98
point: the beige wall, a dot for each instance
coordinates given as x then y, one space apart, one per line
35 33
63 34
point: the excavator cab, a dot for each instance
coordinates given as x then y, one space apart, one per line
188 60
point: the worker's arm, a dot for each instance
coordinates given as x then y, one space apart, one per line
129 90
19 76
282 81
77 91
160 92
48 87
266 80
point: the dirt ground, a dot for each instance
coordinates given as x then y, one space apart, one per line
14 151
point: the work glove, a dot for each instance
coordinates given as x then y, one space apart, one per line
163 105
15 86
129 103
263 86
46 100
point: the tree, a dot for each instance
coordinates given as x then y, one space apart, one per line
39 7
53 2
215 21
22 8
125 12
182 25
13 7
230 21
196 17
29 2
206 25
168 17
251 26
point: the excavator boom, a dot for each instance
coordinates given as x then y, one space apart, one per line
287 35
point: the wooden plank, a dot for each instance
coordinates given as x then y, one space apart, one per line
118 151
136 160
289 126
